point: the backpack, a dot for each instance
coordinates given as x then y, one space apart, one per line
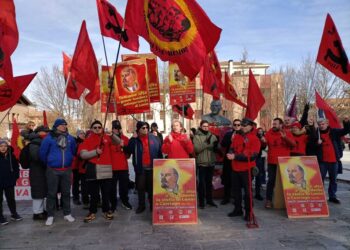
24 156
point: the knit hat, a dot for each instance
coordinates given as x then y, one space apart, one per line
116 124
42 128
247 121
95 122
58 122
2 141
139 125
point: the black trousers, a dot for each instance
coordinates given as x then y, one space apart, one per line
76 184
226 179
84 189
94 191
271 171
144 184
205 184
10 198
120 177
241 180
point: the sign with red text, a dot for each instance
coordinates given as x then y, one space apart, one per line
302 185
22 189
174 191
181 88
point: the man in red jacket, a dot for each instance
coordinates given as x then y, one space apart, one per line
244 150
279 142
120 168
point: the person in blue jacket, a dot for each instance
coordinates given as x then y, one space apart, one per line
144 147
56 152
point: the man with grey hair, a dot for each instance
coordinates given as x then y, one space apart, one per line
330 152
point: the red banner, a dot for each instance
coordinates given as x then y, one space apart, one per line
105 91
181 89
152 73
131 87
174 191
22 189
303 190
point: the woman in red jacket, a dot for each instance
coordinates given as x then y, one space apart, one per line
177 144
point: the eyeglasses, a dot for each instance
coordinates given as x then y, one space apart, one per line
144 128
205 126
236 125
98 127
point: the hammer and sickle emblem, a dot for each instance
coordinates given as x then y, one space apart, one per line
116 28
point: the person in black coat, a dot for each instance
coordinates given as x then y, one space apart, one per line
9 173
37 173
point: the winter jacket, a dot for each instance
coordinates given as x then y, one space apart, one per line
204 146
119 155
37 173
180 147
55 157
278 146
135 148
91 143
246 148
9 169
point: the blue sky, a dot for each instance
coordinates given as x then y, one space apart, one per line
272 31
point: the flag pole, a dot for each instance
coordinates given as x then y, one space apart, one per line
6 115
312 81
65 90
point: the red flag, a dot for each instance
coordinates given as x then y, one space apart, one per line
73 89
67 61
111 24
177 31
230 92
84 68
329 112
15 138
292 110
255 99
331 53
11 92
185 110
211 76
8 37
45 119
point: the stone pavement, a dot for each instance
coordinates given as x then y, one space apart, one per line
214 231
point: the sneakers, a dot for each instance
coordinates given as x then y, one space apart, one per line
108 216
16 217
268 204
140 209
90 217
3 221
49 221
126 205
235 213
69 218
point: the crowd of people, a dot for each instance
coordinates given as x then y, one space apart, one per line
94 165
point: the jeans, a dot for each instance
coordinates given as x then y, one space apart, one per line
271 170
94 187
332 169
144 183
10 198
205 184
58 180
120 177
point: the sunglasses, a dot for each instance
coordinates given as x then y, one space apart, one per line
144 128
98 127
236 125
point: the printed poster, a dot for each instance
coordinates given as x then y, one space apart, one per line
302 185
105 91
22 189
174 191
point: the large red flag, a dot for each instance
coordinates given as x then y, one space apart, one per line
230 92
211 77
255 99
329 112
84 67
45 119
73 89
11 92
8 37
177 31
331 53
67 61
111 24
15 138
185 110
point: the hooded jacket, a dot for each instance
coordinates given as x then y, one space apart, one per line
9 169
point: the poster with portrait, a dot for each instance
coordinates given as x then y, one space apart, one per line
302 185
181 89
152 71
174 192
131 87
105 91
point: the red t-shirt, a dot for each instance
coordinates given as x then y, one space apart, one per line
300 148
146 159
119 157
92 143
277 146
328 153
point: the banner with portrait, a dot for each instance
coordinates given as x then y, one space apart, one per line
152 71
131 87
105 91
302 185
181 88
174 191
